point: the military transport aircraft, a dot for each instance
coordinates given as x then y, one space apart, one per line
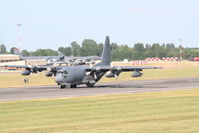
71 76
61 59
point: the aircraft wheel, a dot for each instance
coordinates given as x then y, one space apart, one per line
73 86
90 85
62 86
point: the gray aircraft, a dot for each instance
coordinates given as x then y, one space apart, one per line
61 59
71 76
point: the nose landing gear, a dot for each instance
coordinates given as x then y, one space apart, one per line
62 86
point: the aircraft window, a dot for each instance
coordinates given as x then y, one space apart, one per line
65 72
60 72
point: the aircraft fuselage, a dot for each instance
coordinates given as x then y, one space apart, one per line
74 75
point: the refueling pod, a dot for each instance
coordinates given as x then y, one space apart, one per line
136 74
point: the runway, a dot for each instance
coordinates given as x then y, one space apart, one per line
43 92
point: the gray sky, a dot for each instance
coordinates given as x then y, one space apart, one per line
55 23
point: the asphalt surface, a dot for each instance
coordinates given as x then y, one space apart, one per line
43 92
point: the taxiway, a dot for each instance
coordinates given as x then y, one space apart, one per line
138 86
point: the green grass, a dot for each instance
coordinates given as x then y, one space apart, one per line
15 79
182 72
157 112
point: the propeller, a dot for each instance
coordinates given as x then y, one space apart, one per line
93 71
52 70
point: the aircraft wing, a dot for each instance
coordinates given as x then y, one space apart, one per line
114 71
33 69
134 68
28 66
120 68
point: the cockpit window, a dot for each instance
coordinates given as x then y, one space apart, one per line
62 73
65 72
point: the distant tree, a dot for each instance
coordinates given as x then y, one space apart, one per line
114 46
25 53
138 51
2 49
139 47
190 53
172 53
170 46
163 46
62 50
122 52
89 48
100 48
119 52
158 51
45 52
75 48
147 46
66 51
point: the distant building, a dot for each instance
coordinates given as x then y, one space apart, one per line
35 62
9 57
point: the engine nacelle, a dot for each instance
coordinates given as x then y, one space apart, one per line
136 74
49 74
109 74
26 72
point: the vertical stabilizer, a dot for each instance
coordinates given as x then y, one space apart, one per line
106 53
17 52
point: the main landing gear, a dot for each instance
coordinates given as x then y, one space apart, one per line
67 86
90 85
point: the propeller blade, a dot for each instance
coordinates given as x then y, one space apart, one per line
95 76
116 76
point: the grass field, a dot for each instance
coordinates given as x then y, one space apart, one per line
170 70
155 112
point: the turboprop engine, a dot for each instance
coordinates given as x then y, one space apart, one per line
26 72
49 74
51 71
111 74
136 74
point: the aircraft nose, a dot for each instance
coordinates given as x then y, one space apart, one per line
58 79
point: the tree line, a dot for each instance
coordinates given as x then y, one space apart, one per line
90 47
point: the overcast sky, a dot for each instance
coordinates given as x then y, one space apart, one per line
55 23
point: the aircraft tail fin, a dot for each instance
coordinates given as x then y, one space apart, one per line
106 53
16 52
61 56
